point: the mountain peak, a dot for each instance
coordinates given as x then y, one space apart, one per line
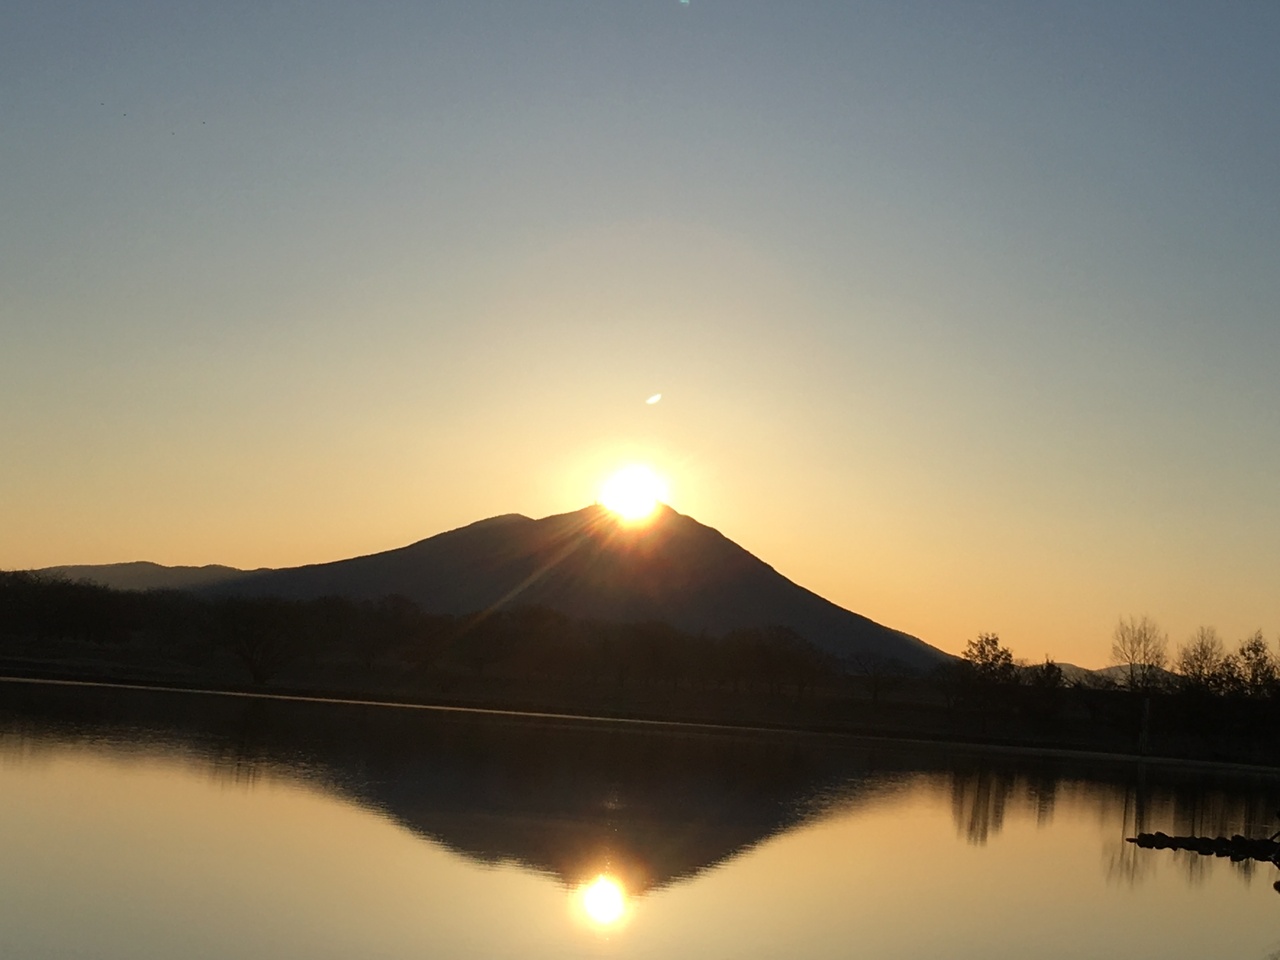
591 564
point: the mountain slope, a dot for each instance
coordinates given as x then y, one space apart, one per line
588 565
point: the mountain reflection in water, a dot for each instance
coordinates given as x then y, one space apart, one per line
616 811
642 805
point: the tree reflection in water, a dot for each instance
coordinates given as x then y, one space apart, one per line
978 801
1138 798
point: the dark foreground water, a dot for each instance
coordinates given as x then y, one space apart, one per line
153 825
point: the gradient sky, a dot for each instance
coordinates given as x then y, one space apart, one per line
965 314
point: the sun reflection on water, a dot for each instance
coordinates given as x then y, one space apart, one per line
603 902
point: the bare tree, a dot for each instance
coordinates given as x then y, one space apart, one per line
1139 646
1200 660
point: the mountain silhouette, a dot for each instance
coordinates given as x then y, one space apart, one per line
590 565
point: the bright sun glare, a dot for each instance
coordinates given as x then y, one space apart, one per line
603 901
634 492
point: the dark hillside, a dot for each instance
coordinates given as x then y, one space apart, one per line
590 566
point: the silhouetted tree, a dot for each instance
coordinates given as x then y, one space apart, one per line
44 606
264 633
948 679
1139 646
797 661
987 673
1201 661
1258 668
1044 690
988 662
1046 676
879 674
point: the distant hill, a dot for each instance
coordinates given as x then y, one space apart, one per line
1119 675
1072 673
590 566
143 575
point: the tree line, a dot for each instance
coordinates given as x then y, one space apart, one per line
1204 700
1140 651
1203 664
266 638
1207 700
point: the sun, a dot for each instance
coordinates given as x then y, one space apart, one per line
634 492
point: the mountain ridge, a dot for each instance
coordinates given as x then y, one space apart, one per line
147 575
591 565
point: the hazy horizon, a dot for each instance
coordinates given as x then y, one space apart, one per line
964 315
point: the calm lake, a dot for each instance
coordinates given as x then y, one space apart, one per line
143 824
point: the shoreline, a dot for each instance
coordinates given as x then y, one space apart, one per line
676 725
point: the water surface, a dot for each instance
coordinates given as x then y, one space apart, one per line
141 824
